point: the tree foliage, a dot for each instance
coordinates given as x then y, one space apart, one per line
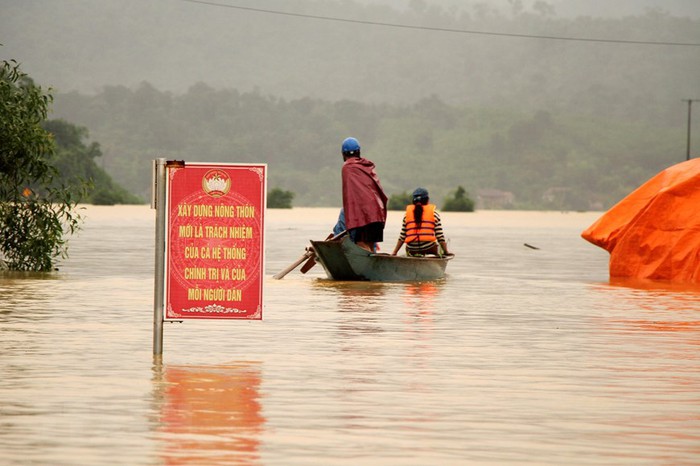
399 201
35 213
280 199
459 201
76 165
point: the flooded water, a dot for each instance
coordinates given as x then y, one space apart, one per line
520 356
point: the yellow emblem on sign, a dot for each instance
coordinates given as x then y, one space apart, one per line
216 183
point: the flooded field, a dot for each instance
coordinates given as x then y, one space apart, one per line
520 356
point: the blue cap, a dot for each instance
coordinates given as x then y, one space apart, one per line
351 146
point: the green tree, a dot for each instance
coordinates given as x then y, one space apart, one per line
280 199
35 215
399 201
76 165
459 201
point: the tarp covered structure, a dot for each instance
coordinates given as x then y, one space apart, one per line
654 232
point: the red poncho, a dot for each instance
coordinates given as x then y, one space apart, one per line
364 200
654 233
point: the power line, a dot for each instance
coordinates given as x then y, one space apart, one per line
437 29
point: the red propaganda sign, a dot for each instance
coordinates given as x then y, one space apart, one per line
215 232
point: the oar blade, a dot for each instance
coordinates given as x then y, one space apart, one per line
309 265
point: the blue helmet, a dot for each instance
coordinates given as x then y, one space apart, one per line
351 146
420 195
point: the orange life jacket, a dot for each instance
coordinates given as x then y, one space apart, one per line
426 232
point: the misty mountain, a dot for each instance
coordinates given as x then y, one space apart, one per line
540 160
84 45
563 110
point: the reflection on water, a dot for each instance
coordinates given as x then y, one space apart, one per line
420 298
690 289
420 305
16 288
650 336
209 414
359 305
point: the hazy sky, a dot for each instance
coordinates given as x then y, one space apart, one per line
569 8
87 44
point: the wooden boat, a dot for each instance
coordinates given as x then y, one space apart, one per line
344 260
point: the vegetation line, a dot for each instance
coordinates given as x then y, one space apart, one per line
449 30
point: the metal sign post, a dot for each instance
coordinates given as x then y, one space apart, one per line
158 202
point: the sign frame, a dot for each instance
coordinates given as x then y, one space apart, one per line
213 219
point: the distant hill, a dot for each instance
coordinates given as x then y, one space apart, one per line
545 108
282 48
76 164
504 159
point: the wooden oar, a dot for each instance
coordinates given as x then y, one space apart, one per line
305 256
309 255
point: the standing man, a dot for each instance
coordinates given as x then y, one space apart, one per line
364 201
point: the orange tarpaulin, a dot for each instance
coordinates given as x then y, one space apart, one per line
654 232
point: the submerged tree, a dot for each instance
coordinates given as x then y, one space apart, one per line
399 201
280 199
459 201
35 214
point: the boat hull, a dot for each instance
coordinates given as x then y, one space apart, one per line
344 260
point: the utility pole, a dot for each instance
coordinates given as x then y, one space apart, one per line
690 110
